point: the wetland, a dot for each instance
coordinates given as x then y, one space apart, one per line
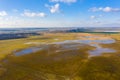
72 56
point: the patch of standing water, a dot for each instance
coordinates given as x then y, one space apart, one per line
109 41
99 50
95 43
28 51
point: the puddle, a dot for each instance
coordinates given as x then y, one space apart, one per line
99 51
27 51
87 41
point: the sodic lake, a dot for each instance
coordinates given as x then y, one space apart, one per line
72 45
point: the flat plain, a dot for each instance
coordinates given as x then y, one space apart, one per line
61 56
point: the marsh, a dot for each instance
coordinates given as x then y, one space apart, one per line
73 45
61 59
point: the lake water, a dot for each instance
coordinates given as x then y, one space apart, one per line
27 51
99 50
95 43
72 45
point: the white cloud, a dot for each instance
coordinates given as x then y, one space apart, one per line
41 14
97 21
64 1
33 14
54 9
105 9
96 16
3 13
94 9
93 17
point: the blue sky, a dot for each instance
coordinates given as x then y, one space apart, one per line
59 13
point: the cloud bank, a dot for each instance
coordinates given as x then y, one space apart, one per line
104 9
3 13
33 14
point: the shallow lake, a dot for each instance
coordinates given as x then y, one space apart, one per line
27 51
72 45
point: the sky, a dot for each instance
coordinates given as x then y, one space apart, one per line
59 13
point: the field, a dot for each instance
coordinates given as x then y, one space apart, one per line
55 63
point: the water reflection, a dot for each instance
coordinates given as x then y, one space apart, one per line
72 45
27 51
